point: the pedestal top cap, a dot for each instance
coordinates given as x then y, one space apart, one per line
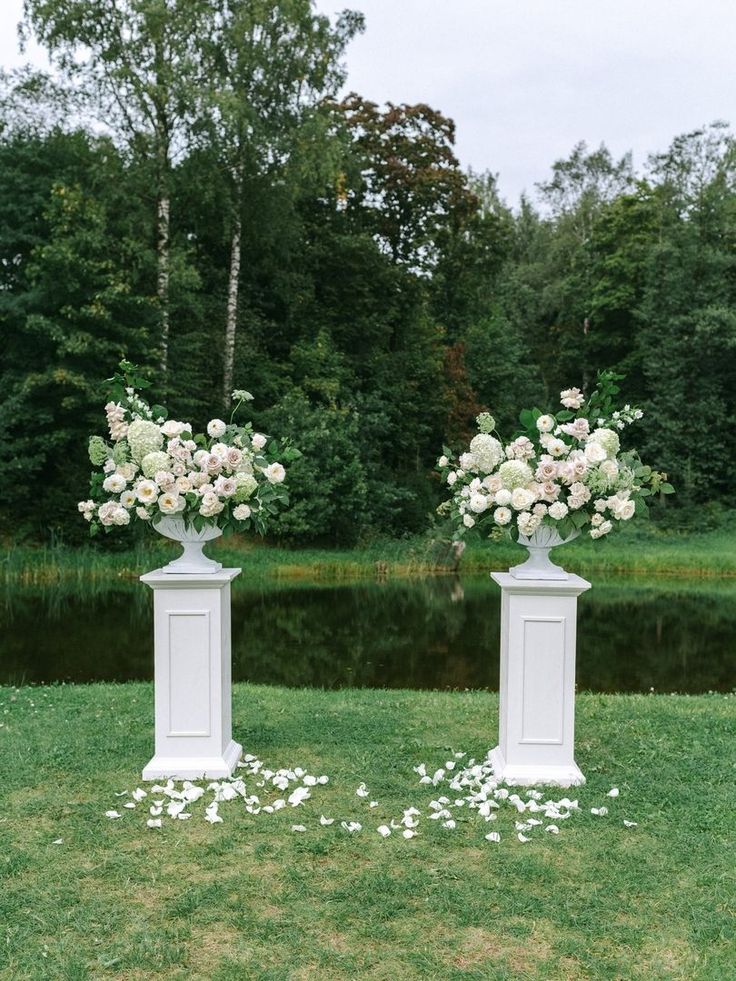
158 578
573 585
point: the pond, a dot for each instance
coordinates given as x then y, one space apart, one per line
442 633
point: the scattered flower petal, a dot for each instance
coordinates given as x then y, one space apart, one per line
495 836
112 815
325 822
298 827
383 830
156 822
631 824
613 792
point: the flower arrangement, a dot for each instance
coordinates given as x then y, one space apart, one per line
565 470
152 466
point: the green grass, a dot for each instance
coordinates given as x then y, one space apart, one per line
638 550
249 899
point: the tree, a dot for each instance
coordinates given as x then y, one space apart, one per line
137 62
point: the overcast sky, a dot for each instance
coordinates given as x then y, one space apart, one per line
524 80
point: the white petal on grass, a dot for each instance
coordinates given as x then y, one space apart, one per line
553 829
298 827
383 830
323 780
129 805
599 811
138 794
298 796
493 836
408 833
631 824
325 822
154 822
373 803
112 815
361 791
351 826
183 817
421 769
449 824
58 841
309 780
522 837
123 793
212 817
155 811
613 792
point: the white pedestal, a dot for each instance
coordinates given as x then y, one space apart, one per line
536 743
193 676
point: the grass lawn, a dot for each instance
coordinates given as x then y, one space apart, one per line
249 898
641 550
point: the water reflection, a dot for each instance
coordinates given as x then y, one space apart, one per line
435 633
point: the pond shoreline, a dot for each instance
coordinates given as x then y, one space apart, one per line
633 553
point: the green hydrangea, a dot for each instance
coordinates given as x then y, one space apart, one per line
121 452
98 450
153 462
247 484
486 422
144 437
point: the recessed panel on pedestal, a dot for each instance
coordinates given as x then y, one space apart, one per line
190 653
543 656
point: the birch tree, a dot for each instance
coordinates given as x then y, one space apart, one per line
136 61
272 66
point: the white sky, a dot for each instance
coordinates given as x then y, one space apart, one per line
524 80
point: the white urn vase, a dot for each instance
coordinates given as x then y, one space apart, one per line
192 561
539 545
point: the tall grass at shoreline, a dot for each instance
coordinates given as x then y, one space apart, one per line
645 552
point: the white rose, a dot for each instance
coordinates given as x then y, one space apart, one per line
168 503
120 516
467 461
493 483
502 516
557 447
503 497
183 484
572 398
610 469
558 510
521 499
468 521
478 503
143 514
114 484
216 428
540 509
171 428
451 478
241 512
443 462
274 473
200 458
528 523
226 486
594 452
545 424
626 512
146 491
164 479
84 506
106 512
234 457
127 499
258 441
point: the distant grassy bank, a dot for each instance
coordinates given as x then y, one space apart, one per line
638 551
85 897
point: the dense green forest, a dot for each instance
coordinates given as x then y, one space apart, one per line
191 190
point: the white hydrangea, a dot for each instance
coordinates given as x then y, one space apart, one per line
144 437
487 452
156 462
608 439
514 473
